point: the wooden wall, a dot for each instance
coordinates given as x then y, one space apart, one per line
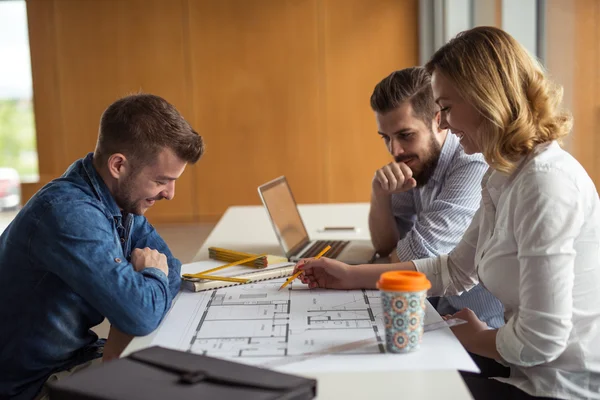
586 87
275 87
573 60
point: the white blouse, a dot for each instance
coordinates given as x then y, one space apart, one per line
534 243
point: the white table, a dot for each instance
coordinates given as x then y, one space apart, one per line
247 228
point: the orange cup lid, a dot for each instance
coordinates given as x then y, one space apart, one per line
403 281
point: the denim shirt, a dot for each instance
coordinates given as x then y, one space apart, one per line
64 267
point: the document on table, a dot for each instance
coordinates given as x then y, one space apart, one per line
259 325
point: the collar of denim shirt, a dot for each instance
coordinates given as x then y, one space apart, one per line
100 188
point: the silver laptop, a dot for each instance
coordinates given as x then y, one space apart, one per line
281 207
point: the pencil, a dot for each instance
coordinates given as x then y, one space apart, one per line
227 251
222 278
297 274
257 264
233 264
218 253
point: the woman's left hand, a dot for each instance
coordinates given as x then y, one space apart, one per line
465 333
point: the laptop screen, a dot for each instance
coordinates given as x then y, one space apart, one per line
281 206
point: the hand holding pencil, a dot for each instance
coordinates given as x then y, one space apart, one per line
332 274
299 272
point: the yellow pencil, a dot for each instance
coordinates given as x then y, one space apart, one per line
233 264
231 255
227 251
297 274
222 278
257 264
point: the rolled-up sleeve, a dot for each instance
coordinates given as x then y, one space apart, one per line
545 234
433 267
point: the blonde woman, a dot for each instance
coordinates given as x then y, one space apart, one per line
534 242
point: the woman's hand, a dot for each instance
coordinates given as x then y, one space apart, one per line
326 273
467 333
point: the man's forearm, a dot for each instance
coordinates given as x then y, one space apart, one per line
382 225
115 344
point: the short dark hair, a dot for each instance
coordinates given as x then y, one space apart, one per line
141 125
409 84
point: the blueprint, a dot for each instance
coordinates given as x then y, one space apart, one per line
257 324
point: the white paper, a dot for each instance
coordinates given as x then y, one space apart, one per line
257 324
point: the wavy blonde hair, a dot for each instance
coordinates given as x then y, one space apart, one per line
508 87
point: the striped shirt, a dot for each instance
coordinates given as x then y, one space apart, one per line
433 218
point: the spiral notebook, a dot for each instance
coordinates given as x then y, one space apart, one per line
273 271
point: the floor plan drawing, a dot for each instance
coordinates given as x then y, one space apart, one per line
255 323
257 320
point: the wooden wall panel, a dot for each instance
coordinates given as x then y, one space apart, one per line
573 60
364 41
46 90
255 88
586 84
596 112
104 50
87 46
276 87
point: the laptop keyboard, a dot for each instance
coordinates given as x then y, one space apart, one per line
336 248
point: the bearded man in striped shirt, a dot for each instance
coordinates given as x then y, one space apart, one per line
423 201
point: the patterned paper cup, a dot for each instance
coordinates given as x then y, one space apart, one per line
403 295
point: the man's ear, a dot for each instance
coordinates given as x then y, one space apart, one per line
118 165
436 122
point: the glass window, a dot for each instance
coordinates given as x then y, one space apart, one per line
17 124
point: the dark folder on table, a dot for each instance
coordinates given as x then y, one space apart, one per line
160 373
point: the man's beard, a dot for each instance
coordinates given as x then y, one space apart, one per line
125 199
428 163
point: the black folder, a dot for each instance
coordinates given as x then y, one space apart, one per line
160 373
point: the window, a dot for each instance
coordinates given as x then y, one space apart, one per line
17 124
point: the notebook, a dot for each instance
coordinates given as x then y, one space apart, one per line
281 207
272 271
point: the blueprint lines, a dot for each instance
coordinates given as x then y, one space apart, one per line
255 323
259 321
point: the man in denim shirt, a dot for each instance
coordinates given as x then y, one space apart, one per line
80 250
